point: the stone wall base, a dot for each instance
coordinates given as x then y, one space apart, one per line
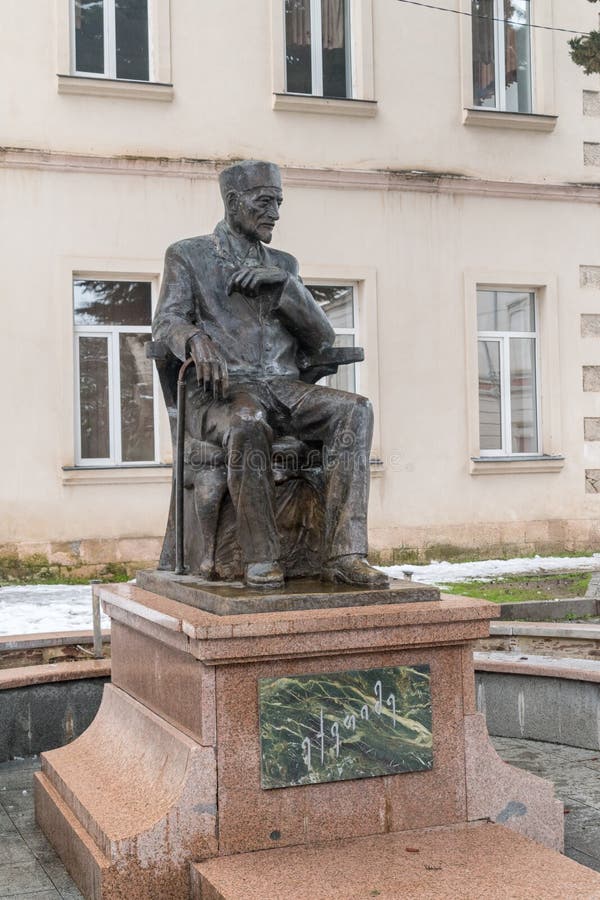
393 545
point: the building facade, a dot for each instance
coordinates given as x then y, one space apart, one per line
441 194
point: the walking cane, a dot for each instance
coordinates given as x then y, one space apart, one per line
179 566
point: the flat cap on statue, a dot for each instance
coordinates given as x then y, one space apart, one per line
248 175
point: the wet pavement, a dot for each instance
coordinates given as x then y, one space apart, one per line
576 776
30 869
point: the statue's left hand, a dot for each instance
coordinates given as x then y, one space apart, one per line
251 280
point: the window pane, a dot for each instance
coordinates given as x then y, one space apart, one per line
336 302
505 311
93 398
131 26
490 401
517 44
523 406
484 56
112 302
345 378
89 36
298 47
137 404
335 46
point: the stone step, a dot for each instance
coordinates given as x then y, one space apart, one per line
141 790
467 861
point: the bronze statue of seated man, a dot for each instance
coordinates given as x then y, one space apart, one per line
241 312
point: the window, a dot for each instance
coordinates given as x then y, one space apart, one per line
508 381
110 39
115 404
502 55
339 303
317 47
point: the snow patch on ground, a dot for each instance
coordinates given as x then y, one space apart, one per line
490 569
38 608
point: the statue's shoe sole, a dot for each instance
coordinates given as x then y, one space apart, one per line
265 585
337 577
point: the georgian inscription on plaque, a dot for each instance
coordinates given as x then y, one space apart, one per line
343 725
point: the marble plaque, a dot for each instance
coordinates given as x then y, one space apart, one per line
343 725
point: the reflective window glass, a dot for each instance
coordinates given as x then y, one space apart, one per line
89 36
337 302
501 34
490 396
484 53
334 47
517 51
112 302
137 402
131 30
505 311
94 397
523 395
298 47
116 380
508 388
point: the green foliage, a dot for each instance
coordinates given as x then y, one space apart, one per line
585 51
37 569
522 588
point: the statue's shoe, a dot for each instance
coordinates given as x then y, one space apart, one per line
265 575
355 570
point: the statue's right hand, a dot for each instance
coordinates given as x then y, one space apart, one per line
211 368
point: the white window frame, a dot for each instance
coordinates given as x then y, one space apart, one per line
111 333
361 78
500 62
543 116
110 45
355 330
503 339
316 51
550 377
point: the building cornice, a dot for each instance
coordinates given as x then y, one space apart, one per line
347 179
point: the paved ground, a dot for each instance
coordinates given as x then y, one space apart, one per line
29 867
30 870
576 777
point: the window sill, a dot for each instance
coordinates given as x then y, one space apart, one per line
109 87
376 467
152 473
515 465
495 118
325 105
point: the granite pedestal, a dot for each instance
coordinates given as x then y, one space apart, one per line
169 773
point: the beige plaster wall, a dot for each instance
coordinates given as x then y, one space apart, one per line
415 325
225 64
93 186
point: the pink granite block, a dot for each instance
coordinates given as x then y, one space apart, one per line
166 679
502 793
251 818
482 862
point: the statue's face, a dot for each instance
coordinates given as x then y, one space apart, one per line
255 212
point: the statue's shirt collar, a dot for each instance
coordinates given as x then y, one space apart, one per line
236 249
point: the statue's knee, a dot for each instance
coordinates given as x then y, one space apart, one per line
357 408
249 426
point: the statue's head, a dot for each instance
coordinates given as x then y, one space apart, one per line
252 195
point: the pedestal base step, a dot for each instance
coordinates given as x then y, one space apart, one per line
467 861
235 598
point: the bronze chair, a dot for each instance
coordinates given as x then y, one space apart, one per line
201 534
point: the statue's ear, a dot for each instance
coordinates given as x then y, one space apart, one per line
232 201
